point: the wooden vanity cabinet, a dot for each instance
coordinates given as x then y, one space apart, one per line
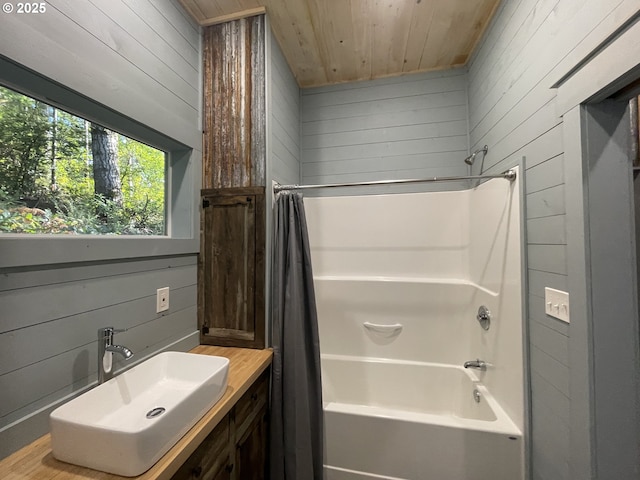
251 454
250 421
237 448
211 460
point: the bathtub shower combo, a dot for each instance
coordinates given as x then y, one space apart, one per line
421 333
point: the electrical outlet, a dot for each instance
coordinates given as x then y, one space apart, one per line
556 303
162 299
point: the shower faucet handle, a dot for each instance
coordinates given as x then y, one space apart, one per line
477 364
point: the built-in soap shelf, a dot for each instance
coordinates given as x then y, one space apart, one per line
384 329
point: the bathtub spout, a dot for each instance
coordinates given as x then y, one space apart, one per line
478 364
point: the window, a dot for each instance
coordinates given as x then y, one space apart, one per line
105 235
61 174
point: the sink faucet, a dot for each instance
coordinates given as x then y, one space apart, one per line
478 364
106 349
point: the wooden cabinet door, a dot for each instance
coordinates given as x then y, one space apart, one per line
198 472
232 268
251 451
211 460
236 449
224 473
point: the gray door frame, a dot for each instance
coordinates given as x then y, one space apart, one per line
604 337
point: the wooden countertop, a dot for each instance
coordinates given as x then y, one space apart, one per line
36 462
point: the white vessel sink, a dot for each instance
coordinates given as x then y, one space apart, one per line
127 424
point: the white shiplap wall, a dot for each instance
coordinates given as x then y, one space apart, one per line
139 57
512 107
142 59
413 126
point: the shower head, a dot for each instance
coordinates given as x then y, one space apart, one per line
471 158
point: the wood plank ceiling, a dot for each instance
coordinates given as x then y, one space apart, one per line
335 41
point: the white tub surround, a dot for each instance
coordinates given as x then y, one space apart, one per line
399 280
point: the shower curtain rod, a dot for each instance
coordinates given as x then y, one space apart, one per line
508 175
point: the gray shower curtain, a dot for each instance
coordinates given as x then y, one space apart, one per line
296 437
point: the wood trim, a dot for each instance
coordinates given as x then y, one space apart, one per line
258 127
601 72
581 459
250 12
210 192
192 9
207 108
260 272
611 276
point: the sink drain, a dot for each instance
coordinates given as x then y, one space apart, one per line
156 412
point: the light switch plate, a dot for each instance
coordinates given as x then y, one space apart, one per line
556 303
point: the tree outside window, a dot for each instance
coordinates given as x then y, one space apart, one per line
61 174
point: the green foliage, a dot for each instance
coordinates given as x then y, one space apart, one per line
142 173
46 176
24 128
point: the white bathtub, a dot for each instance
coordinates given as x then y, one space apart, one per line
392 419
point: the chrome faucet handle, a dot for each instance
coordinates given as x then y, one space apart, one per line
105 332
109 331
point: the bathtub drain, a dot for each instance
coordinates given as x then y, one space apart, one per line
155 412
